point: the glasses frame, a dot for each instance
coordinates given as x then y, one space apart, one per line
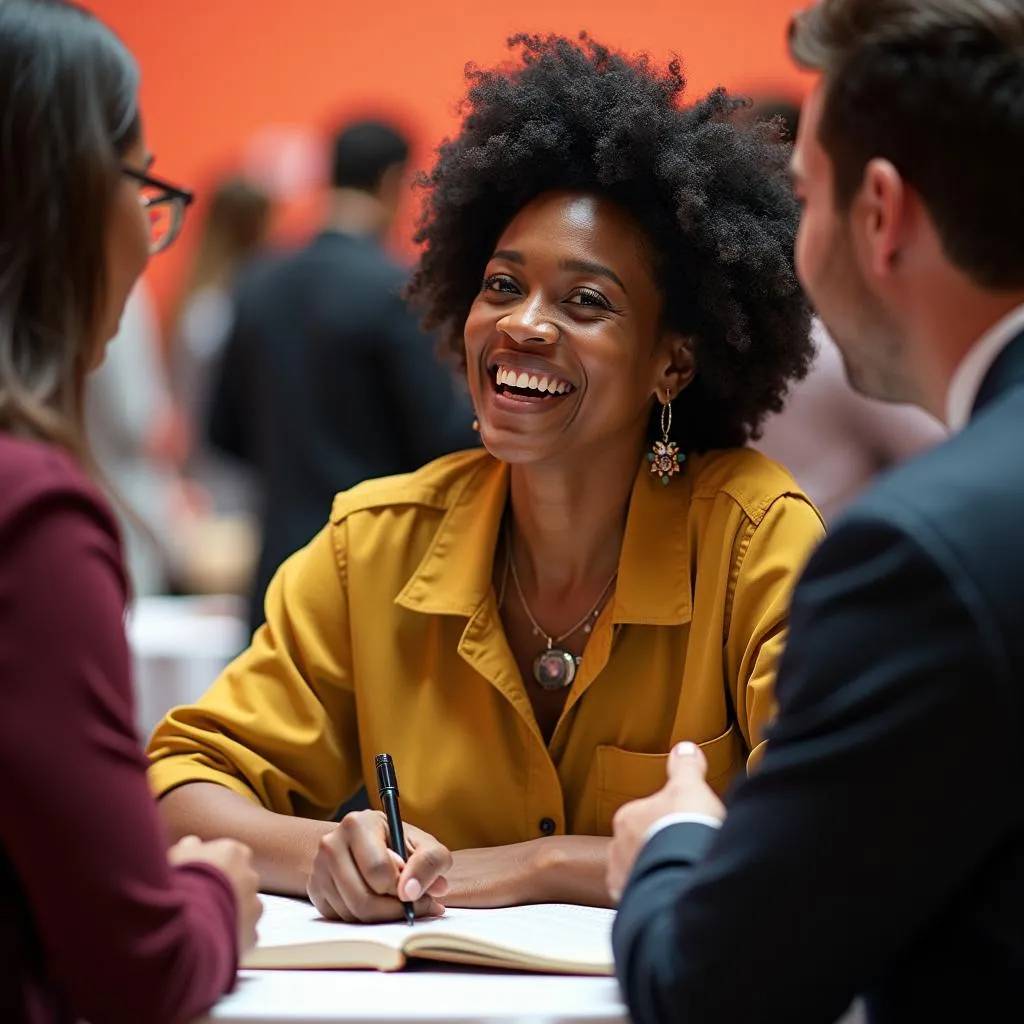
171 193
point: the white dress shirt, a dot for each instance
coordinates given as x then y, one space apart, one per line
680 819
967 381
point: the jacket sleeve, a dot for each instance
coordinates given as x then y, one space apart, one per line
862 818
127 937
279 724
229 413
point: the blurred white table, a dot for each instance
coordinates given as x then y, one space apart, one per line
456 996
179 646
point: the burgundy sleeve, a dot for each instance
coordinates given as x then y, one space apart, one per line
128 938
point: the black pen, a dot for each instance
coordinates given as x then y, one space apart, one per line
387 788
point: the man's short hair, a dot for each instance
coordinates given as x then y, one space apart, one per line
936 87
363 151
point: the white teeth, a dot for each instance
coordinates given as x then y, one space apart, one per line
533 382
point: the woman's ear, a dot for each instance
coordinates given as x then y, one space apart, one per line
679 367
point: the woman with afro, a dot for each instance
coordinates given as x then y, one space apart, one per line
528 628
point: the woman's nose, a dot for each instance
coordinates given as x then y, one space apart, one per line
529 322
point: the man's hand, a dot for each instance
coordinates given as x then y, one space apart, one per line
686 792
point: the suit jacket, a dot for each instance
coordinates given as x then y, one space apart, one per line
326 380
879 847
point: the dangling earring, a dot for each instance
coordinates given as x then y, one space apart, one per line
665 457
476 424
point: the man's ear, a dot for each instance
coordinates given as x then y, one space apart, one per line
881 211
679 367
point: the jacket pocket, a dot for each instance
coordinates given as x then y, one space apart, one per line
623 775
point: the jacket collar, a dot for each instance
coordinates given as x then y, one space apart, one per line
653 588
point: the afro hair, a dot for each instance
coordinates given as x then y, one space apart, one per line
712 197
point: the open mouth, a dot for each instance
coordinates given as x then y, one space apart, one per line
528 385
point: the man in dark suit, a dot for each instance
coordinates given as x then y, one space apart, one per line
878 849
326 379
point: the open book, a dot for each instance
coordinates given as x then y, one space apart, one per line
551 937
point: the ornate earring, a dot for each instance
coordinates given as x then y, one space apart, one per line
665 457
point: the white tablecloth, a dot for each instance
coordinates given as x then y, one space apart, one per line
353 997
179 646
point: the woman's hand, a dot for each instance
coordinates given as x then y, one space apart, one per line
357 877
234 859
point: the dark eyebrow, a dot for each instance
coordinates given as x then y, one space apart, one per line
586 267
509 254
582 266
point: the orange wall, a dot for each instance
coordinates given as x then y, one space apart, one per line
215 71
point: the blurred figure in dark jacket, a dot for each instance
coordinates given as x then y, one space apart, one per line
326 379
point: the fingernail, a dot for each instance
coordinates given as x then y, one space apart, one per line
684 749
413 890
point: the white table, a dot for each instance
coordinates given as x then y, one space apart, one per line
179 646
457 996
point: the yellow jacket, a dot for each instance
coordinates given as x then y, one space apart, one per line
383 634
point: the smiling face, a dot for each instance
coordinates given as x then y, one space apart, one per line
564 346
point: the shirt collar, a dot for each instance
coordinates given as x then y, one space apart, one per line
970 374
653 586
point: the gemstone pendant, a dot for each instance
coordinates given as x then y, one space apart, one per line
554 669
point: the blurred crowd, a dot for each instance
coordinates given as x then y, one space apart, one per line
285 373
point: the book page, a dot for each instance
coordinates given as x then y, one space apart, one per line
296 922
557 933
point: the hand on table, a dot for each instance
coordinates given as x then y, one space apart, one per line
686 792
234 859
357 877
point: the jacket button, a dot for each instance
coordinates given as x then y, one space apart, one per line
547 826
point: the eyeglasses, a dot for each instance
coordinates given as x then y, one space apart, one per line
165 204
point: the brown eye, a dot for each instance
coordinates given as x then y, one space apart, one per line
589 297
500 283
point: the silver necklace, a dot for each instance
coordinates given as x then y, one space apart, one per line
554 668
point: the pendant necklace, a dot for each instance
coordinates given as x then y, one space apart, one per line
554 668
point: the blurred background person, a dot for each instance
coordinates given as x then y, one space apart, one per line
130 418
326 379
831 438
234 231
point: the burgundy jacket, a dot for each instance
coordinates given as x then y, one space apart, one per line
94 924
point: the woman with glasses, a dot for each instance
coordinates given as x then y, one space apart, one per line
99 919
